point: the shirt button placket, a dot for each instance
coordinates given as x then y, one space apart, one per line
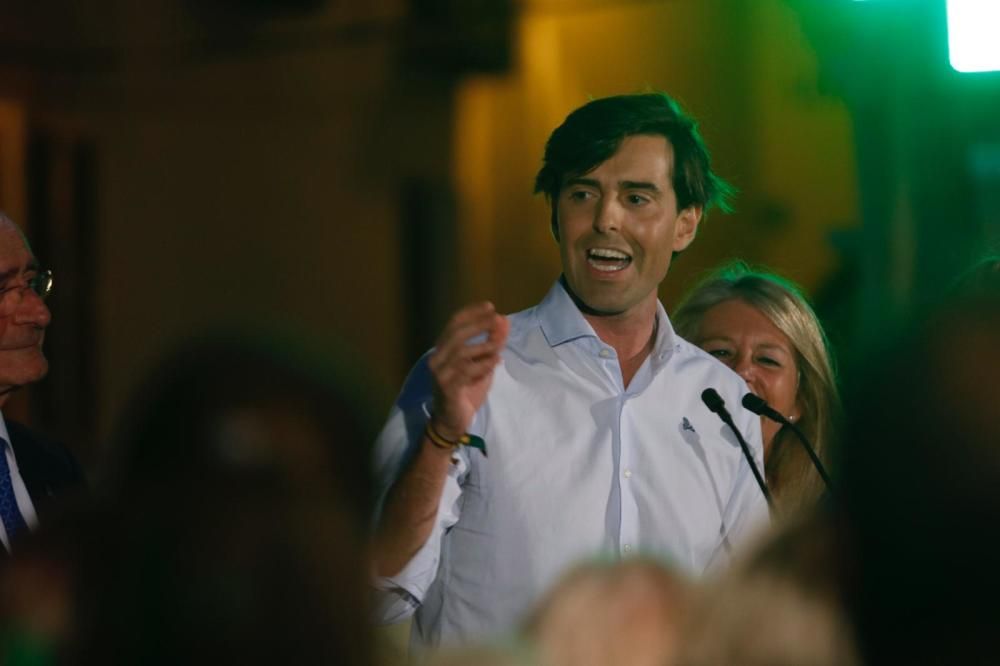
630 516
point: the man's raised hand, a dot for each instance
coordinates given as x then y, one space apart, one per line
463 370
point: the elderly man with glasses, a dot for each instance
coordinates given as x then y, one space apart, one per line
32 470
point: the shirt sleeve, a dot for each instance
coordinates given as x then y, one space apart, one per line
398 597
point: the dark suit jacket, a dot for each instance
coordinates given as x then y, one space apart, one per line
47 468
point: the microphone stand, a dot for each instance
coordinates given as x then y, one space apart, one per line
715 403
759 406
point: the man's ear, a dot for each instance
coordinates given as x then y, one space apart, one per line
687 226
554 222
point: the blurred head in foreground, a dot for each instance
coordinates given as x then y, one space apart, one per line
779 606
233 526
235 405
921 474
602 614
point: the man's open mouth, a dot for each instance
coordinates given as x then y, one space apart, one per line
608 260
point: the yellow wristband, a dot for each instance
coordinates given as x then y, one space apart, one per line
442 443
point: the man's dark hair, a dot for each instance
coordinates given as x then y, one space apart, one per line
594 132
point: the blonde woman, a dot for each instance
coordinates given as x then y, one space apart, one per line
762 326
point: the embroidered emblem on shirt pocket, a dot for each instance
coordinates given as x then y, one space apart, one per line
686 425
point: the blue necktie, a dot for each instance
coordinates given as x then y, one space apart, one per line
13 521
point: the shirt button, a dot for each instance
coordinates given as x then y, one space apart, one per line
627 548
628 474
605 353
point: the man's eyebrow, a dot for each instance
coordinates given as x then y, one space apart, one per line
638 185
622 184
589 182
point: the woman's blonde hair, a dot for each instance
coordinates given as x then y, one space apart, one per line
790 474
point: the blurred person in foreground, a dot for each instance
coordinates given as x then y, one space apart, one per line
762 326
33 470
235 569
611 614
233 522
779 605
235 402
921 475
520 445
600 613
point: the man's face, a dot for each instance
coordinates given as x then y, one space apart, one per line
618 227
23 315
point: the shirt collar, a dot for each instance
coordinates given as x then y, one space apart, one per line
666 342
562 321
3 430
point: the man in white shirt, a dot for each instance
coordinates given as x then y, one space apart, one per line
32 469
573 429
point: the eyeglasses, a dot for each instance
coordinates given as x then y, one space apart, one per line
40 283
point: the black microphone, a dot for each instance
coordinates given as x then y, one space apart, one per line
715 403
759 406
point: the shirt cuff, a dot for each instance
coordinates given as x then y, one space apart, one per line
392 603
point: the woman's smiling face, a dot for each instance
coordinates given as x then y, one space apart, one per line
742 337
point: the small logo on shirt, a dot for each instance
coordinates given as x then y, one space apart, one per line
686 425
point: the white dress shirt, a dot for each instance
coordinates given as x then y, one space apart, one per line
20 491
577 466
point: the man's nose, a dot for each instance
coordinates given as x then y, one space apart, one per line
607 217
31 310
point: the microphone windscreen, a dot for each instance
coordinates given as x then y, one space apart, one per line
712 400
755 404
